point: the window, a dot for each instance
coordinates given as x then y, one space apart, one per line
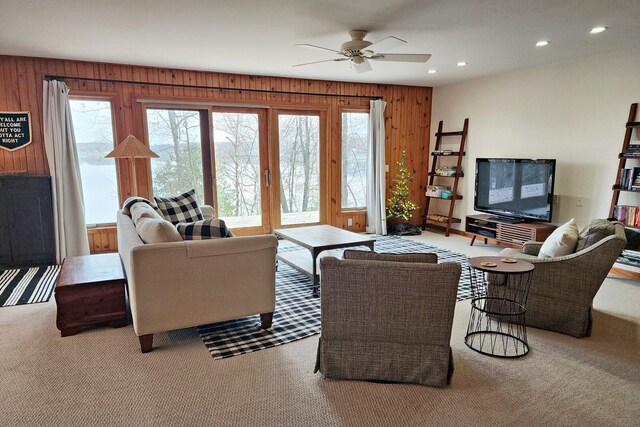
355 136
174 135
93 129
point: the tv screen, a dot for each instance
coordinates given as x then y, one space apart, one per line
517 188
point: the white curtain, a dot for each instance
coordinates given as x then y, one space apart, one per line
60 145
376 202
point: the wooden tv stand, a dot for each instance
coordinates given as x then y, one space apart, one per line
505 233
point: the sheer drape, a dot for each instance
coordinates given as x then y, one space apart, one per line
376 210
60 146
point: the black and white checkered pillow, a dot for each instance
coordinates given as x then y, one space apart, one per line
126 206
182 208
205 229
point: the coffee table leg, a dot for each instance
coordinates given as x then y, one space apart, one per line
316 277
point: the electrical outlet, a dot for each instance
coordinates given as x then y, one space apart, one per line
386 168
350 222
580 200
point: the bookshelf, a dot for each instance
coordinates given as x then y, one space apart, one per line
443 180
628 182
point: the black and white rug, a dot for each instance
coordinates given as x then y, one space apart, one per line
27 285
297 312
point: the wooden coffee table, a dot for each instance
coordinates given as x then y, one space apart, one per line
90 290
317 238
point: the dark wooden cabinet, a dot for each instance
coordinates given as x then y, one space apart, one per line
26 221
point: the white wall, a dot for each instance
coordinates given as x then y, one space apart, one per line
572 111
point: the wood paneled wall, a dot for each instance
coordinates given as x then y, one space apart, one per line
407 115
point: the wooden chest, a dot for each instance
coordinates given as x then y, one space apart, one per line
90 290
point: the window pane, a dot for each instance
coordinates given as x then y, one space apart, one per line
93 129
299 140
355 135
174 135
237 152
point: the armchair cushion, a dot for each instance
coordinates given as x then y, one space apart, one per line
561 242
594 232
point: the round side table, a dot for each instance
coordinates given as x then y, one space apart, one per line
497 325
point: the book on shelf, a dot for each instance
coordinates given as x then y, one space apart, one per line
628 215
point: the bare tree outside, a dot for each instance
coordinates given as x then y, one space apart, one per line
175 136
355 135
299 140
93 129
237 153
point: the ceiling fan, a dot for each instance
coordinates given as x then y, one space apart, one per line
360 51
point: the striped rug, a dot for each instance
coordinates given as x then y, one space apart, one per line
27 285
297 313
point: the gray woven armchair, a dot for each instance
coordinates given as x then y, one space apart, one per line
387 317
563 288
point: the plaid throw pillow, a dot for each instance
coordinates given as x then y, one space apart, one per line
182 208
205 229
126 206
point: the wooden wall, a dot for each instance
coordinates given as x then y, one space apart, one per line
407 115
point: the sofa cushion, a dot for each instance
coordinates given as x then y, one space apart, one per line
561 242
594 232
182 208
140 210
126 206
157 230
205 229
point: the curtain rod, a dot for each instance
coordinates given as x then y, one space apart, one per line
279 92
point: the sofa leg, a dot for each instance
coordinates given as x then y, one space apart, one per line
266 319
146 343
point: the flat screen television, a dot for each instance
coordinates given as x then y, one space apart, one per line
515 189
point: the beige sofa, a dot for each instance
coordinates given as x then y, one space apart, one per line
182 284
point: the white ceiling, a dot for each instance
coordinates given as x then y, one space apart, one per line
258 37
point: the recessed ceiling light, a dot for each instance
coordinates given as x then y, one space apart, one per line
596 30
433 71
461 64
542 43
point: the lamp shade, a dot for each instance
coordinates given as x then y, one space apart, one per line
132 148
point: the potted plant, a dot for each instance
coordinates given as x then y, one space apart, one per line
399 205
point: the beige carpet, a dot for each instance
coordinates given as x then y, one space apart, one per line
99 377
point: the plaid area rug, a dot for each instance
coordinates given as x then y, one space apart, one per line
297 313
27 285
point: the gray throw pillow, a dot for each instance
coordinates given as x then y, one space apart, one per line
594 232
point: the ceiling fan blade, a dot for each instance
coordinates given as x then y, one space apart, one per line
401 57
325 60
362 67
390 42
313 46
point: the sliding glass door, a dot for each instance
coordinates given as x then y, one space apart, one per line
239 167
255 183
299 168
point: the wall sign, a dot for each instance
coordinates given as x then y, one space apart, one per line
15 130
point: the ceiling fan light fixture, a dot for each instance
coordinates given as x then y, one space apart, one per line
598 30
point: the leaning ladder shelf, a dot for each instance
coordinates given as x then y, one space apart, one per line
627 153
433 175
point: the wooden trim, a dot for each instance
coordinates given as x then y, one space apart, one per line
626 273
